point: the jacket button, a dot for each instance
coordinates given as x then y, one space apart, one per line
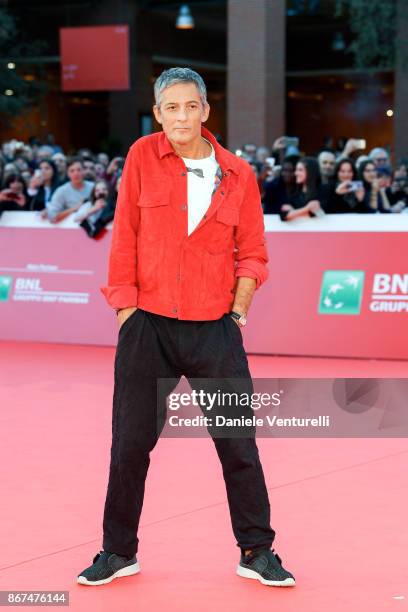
183 173
222 193
184 207
174 309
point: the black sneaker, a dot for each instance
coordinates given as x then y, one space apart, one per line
106 567
266 566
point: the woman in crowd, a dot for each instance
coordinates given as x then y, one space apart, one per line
281 189
13 196
393 200
91 210
378 195
311 197
399 185
42 185
348 196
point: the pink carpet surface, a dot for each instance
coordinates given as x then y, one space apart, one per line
338 506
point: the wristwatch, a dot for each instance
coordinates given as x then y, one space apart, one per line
240 318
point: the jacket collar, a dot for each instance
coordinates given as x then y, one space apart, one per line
226 159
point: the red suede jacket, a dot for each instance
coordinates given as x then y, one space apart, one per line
154 264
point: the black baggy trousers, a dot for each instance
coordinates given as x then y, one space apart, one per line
152 346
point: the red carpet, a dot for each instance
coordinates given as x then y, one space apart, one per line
338 505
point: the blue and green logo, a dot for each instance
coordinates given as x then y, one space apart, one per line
5 286
341 292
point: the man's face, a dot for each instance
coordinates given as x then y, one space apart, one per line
327 164
103 159
76 172
181 112
89 170
288 173
61 162
380 159
384 180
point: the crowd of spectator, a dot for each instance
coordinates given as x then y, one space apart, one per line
40 177
340 179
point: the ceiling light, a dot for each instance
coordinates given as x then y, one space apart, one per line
184 19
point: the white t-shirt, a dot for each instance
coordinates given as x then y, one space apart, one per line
199 190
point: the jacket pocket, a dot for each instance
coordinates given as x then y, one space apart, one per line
221 238
227 216
154 214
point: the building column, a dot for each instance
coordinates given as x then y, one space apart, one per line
256 92
126 107
401 83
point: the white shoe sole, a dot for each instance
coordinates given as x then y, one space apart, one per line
125 571
248 573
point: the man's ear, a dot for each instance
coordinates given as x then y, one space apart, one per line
205 113
157 113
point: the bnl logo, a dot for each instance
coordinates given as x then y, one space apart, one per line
5 287
341 292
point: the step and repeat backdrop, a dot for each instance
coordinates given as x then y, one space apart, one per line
338 286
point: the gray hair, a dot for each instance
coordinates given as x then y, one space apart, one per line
378 151
179 75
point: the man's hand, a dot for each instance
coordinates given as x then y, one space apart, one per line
124 314
244 292
351 145
236 322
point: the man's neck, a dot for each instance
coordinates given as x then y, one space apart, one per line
199 148
79 185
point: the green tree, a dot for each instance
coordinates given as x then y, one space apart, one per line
24 93
373 25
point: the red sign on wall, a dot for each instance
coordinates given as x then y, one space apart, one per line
95 58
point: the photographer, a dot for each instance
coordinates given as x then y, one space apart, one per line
114 170
42 185
285 146
399 185
348 195
280 189
377 185
91 211
391 200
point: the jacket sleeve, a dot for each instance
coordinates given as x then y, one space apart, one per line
251 257
121 290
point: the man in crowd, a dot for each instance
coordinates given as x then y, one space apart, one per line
70 196
327 165
379 157
61 163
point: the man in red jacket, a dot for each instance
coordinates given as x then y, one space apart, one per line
187 253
